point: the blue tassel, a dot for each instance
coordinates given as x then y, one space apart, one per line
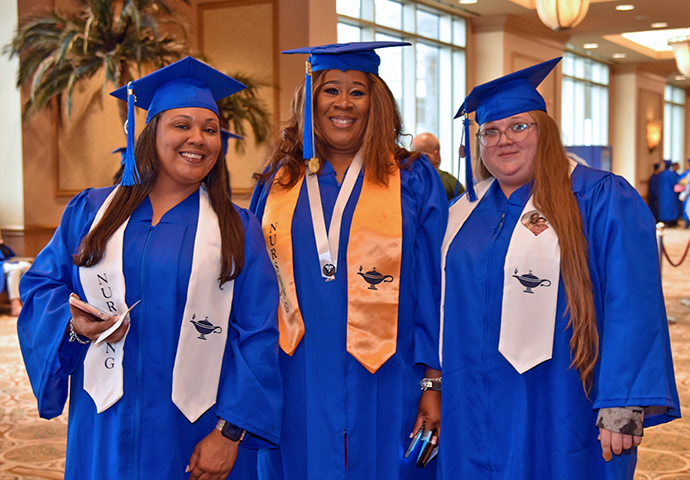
130 175
469 181
308 134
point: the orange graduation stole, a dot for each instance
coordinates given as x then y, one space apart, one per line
373 264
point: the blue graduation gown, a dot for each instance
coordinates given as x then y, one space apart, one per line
144 435
500 425
653 195
669 209
327 391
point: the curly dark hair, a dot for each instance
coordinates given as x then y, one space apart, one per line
381 141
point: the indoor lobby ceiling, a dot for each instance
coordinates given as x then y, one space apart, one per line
604 26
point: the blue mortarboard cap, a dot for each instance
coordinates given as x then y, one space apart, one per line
122 151
358 56
346 56
225 136
504 97
185 83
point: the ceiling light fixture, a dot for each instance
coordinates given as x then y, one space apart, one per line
659 25
590 46
681 50
562 14
619 55
625 8
466 2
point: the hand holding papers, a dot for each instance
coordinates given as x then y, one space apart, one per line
116 325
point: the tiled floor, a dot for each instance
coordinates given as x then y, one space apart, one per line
32 449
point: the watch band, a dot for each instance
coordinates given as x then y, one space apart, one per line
430 384
230 431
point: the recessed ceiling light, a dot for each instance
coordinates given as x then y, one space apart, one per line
680 78
619 55
466 2
625 8
659 25
655 39
590 46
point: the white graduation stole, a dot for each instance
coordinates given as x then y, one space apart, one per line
530 285
204 326
104 286
530 293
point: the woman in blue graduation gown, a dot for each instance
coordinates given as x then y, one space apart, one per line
197 356
352 390
555 345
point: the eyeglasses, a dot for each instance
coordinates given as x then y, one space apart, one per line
517 132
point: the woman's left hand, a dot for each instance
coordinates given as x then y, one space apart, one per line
429 410
613 442
213 457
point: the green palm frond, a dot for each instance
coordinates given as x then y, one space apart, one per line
245 107
59 50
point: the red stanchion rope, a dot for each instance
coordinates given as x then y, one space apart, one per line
685 253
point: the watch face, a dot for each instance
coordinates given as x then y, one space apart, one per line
232 432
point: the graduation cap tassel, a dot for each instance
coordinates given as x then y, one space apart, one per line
130 176
469 181
308 148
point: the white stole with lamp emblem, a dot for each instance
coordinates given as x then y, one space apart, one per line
530 285
204 325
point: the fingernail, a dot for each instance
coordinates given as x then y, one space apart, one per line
186 470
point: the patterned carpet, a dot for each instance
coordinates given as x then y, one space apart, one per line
32 448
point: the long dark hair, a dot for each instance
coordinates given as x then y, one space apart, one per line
127 199
381 141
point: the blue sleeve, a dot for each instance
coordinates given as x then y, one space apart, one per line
635 365
42 326
257 203
251 393
432 216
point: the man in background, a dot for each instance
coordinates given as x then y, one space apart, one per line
429 146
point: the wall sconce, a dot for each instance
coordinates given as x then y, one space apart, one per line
653 134
562 14
681 50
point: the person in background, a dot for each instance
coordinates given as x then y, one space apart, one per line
429 146
653 191
198 373
553 363
353 223
684 195
670 208
11 270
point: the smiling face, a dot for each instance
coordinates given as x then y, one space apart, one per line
187 144
511 163
342 112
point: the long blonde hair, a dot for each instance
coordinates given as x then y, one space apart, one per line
553 196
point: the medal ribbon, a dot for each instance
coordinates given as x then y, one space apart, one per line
327 244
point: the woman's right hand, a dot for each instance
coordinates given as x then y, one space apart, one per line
88 326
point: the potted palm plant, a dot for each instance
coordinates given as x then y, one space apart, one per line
60 49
